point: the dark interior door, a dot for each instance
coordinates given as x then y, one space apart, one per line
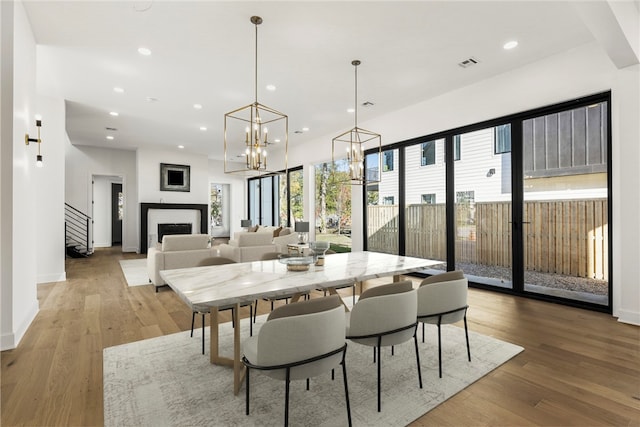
116 214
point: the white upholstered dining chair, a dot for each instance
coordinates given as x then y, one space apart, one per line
299 341
385 316
442 299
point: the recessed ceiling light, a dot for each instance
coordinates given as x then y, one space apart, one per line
180 146
114 114
203 128
109 137
271 87
305 129
197 106
144 51
510 44
351 110
118 90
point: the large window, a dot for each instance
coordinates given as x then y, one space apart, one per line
456 147
548 237
264 200
428 153
333 204
387 161
502 139
291 204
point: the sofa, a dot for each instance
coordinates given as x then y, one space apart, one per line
249 246
177 251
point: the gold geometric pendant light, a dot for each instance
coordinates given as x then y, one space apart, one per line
249 132
352 143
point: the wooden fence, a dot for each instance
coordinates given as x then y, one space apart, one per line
566 237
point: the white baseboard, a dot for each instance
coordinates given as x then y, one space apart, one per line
11 340
627 316
53 277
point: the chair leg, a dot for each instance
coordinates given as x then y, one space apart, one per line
203 314
392 350
379 365
346 390
415 340
193 319
233 318
439 351
423 333
255 312
353 295
250 322
246 393
307 384
466 333
374 355
286 399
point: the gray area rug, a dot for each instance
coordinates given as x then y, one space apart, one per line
166 381
135 271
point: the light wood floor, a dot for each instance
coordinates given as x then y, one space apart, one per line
578 368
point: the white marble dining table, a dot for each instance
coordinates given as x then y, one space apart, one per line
211 287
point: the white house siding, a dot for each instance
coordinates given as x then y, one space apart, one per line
427 179
477 158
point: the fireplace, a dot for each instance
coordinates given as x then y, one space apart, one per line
200 216
165 229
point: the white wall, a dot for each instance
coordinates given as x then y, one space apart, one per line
579 72
49 182
19 208
83 163
148 165
625 112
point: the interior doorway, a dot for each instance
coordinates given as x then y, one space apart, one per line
108 205
117 207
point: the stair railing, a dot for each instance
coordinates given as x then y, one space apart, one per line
77 229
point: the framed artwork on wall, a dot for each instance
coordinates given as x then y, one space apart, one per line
175 177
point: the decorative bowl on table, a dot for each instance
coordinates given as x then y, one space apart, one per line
296 262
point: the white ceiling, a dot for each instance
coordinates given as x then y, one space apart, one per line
203 52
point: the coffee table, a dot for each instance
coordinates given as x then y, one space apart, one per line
207 288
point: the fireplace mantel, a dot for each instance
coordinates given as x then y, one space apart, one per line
144 210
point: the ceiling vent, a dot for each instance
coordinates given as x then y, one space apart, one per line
468 62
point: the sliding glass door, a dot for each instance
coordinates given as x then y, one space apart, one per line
565 215
482 176
520 204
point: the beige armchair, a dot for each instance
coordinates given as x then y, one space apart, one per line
250 246
177 251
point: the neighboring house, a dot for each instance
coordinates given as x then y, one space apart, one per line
565 151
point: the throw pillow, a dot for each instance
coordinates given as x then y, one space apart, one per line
253 229
284 232
276 232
